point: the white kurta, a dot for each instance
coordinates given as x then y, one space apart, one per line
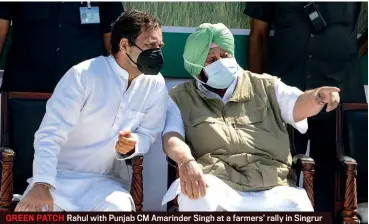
75 144
222 197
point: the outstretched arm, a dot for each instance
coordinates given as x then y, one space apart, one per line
311 102
296 106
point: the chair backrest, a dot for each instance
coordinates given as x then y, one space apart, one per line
21 117
352 141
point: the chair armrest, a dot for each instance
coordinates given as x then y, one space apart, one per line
6 191
137 182
173 164
301 160
306 164
349 167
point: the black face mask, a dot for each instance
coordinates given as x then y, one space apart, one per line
150 61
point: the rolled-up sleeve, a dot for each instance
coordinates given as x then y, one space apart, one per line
151 126
63 110
286 97
173 121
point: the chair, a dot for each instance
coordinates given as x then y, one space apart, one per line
21 116
352 150
301 162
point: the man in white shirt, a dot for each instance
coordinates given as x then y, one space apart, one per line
226 131
103 111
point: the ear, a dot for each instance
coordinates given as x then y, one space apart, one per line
124 44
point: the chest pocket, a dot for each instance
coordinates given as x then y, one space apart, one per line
337 13
253 117
289 13
202 120
206 134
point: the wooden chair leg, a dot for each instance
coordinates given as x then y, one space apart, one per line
6 191
137 183
308 171
350 201
175 201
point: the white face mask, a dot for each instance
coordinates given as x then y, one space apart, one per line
221 73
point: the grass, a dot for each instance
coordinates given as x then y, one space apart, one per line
193 14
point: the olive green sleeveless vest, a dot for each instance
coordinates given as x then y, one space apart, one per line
244 142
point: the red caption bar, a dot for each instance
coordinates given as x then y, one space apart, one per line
161 217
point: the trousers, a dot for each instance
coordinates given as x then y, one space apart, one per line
321 134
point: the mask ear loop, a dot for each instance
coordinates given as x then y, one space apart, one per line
196 65
135 46
133 43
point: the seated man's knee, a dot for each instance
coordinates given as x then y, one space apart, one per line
117 201
207 203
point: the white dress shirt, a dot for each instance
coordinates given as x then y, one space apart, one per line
222 197
75 144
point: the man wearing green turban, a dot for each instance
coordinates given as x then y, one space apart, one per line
226 130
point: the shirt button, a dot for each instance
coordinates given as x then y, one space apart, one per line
57 49
60 25
310 56
312 35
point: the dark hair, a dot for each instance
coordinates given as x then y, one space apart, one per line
130 24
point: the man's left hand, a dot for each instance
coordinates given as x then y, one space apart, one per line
328 95
126 142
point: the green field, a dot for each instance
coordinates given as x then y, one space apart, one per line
192 14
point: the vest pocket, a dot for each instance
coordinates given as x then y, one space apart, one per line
252 117
194 122
269 174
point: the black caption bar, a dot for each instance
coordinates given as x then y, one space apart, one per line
166 217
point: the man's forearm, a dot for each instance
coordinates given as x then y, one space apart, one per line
175 147
306 106
363 44
257 55
4 29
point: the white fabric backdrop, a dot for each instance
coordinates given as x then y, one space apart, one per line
156 170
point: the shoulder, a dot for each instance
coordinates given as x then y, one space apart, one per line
185 87
264 78
90 69
90 65
154 82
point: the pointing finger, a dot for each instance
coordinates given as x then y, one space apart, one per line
330 89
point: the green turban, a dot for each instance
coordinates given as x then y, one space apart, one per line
198 45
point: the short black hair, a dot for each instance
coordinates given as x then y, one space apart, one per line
130 24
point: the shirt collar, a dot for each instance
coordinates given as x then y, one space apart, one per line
117 69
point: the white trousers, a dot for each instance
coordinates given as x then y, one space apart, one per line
115 202
220 197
